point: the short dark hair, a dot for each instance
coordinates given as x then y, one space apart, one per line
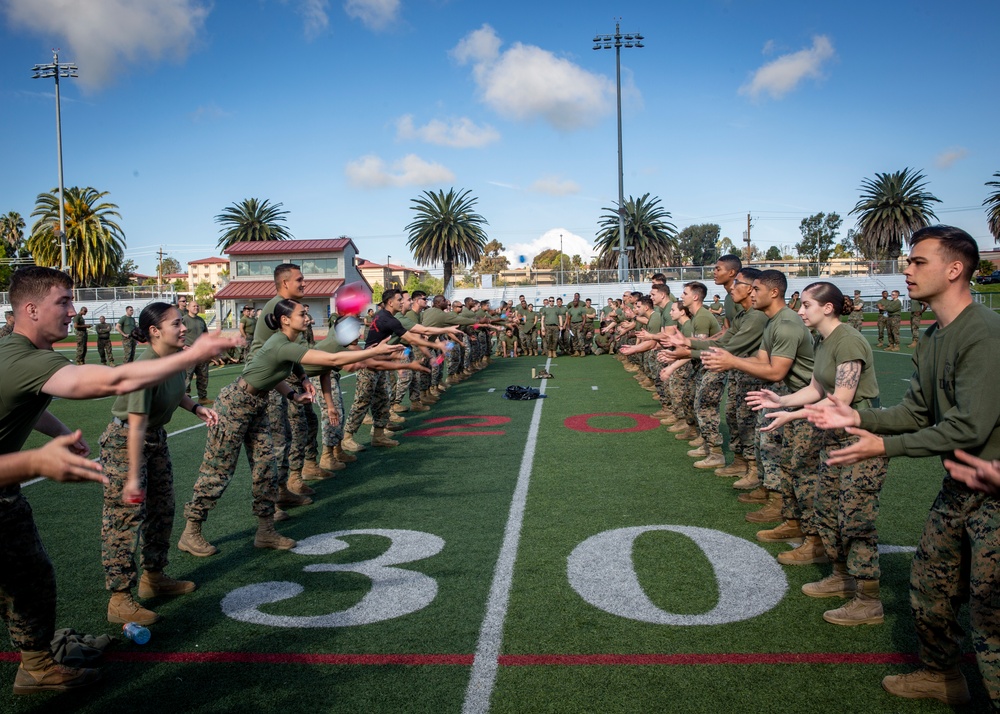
151 316
698 289
774 280
731 261
647 301
660 288
389 294
34 283
956 244
282 270
658 278
417 294
750 274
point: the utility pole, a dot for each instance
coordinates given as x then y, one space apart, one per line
746 237
159 268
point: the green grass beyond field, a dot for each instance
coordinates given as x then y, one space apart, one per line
560 555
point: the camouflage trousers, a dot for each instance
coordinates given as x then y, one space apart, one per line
304 426
128 348
27 578
243 421
578 339
333 431
653 369
199 373
847 504
105 352
883 321
707 404
958 559
598 350
771 463
125 528
371 393
281 432
527 338
466 352
565 341
681 387
856 320
915 327
81 346
893 329
406 383
740 418
551 338
798 466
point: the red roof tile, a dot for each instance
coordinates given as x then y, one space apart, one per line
268 247
208 260
264 289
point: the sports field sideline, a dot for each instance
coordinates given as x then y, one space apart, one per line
556 555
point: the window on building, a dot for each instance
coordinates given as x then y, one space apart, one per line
319 266
256 268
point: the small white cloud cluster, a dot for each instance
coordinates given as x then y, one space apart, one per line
371 171
780 76
526 82
462 133
373 14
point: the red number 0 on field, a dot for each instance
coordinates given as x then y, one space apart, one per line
470 428
641 422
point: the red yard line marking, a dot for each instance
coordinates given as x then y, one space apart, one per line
542 660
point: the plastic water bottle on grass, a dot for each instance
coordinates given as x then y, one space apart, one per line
136 632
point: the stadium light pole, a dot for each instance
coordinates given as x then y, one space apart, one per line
606 42
57 70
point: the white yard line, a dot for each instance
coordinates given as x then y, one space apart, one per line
486 662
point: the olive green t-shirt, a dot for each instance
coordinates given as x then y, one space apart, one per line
80 323
273 362
103 330
731 308
576 313
328 344
846 345
530 320
436 317
196 327
703 322
261 332
550 316
126 323
655 321
25 370
158 402
787 336
893 307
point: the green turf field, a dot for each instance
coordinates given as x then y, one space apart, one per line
560 555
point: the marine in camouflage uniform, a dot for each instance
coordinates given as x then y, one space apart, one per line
370 394
857 317
303 432
126 324
103 330
893 307
80 325
916 315
196 327
883 316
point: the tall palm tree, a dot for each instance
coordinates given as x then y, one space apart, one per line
252 220
95 244
993 203
647 229
891 208
12 232
446 230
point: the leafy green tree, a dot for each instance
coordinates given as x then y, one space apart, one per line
819 234
204 295
377 290
773 253
124 275
492 260
446 230
427 283
95 243
12 233
180 285
891 208
648 231
169 266
726 247
699 244
252 220
986 267
992 204
551 259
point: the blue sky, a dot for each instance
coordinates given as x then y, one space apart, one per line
345 111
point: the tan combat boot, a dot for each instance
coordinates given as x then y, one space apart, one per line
839 583
156 582
296 486
427 398
329 462
122 608
788 532
343 456
312 472
699 451
193 542
379 439
689 434
696 442
400 408
419 406
38 672
349 444
770 513
750 481
810 552
396 418
864 609
737 468
287 499
267 537
948 686
280 515
713 460
678 427
758 495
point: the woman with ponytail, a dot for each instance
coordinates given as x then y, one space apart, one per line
139 496
243 421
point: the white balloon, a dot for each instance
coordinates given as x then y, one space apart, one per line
348 330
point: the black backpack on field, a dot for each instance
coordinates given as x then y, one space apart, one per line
521 393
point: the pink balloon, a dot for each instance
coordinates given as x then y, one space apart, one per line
351 299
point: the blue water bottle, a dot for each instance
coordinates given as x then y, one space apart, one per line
136 632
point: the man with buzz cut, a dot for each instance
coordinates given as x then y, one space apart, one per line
951 409
857 316
551 324
893 308
126 325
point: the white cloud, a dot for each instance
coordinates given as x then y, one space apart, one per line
572 244
780 76
209 112
105 36
555 186
314 15
526 82
371 171
373 14
462 133
946 159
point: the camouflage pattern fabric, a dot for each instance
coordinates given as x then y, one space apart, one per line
551 338
802 445
125 526
333 434
281 432
81 346
707 403
304 426
682 393
243 421
893 329
371 393
740 418
856 320
104 344
770 445
128 348
200 374
883 321
27 578
915 319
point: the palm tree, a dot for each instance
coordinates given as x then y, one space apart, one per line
251 220
446 230
891 208
95 244
647 228
12 232
993 202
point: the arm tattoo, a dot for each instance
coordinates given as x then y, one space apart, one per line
849 374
